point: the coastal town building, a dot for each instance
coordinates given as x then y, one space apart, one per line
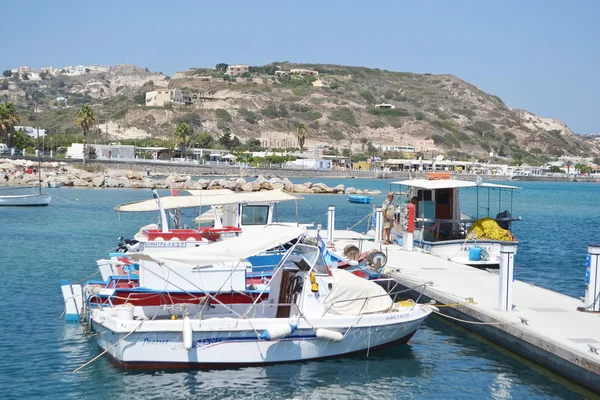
321 83
237 69
421 145
30 131
160 97
398 148
302 71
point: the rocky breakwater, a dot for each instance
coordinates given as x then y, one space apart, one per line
21 172
261 183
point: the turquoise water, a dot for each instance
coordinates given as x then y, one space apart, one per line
38 351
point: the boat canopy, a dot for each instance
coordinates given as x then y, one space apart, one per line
234 249
201 199
209 192
449 184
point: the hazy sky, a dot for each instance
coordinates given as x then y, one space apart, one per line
540 55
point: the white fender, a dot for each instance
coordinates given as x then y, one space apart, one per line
277 331
187 333
329 335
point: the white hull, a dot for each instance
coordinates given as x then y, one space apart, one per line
26 200
458 251
232 341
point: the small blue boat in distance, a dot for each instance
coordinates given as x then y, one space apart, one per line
357 198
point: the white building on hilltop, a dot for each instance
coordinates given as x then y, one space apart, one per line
237 69
30 131
160 97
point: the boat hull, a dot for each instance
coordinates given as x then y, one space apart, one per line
225 342
359 199
29 200
458 251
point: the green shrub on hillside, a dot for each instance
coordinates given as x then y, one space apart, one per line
194 120
481 127
509 136
336 135
376 124
463 111
391 112
345 115
300 91
223 115
368 96
308 115
121 113
249 116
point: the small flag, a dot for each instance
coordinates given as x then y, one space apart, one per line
321 245
478 181
174 192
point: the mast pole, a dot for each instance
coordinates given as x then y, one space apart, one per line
38 146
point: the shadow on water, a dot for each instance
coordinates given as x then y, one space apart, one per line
367 377
511 368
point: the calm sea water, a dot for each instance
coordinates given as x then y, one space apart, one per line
38 350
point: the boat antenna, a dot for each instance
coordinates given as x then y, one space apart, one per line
38 150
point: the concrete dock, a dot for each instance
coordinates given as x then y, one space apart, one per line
543 326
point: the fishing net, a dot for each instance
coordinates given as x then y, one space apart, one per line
488 228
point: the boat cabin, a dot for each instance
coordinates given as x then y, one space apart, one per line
439 214
228 216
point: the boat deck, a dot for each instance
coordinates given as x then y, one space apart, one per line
544 326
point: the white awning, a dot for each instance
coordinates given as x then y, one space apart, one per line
209 192
448 184
228 250
172 202
230 157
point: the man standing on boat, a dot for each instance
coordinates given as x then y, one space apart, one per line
387 210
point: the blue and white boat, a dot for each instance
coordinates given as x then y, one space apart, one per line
358 198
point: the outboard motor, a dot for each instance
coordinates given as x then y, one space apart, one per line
504 219
126 245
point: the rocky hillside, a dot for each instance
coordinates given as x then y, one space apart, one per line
460 118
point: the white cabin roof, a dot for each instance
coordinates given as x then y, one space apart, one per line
202 199
234 249
432 184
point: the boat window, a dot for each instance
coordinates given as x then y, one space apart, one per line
424 195
255 215
309 253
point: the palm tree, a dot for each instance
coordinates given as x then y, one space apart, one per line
363 142
9 117
85 119
301 135
182 137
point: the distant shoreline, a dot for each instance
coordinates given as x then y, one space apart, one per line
166 169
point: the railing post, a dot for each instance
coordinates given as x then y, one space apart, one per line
330 223
505 287
592 279
378 225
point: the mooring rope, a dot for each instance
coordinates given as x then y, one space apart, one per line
105 351
473 322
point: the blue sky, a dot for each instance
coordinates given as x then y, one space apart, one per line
540 55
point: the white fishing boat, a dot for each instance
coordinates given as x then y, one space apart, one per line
30 199
443 229
232 214
311 312
35 199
